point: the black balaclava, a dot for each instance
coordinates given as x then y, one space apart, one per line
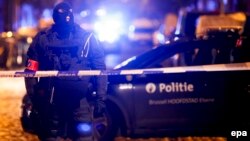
63 18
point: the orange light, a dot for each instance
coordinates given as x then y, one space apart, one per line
29 40
9 34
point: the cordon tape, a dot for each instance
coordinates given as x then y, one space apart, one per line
202 68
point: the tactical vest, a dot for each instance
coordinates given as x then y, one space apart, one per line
69 54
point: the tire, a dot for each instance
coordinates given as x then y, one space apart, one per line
29 121
105 128
26 120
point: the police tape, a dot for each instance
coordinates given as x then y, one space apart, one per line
202 68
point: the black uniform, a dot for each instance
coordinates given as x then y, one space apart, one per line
64 47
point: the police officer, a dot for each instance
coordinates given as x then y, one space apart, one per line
59 103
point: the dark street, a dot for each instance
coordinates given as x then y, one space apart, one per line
11 93
124 70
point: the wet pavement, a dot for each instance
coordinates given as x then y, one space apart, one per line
11 93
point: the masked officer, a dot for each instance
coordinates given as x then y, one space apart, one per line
59 103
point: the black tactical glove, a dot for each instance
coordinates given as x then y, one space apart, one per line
99 108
